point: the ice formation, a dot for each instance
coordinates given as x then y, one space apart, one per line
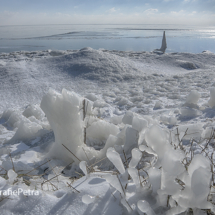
145 208
11 176
193 97
163 45
87 199
83 167
65 115
114 157
211 102
158 161
136 156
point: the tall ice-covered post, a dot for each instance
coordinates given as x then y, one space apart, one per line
164 45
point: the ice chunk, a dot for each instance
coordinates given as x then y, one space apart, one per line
33 110
157 105
83 167
193 97
26 131
198 161
63 113
87 199
116 120
13 118
135 176
172 161
6 114
139 124
125 204
100 130
200 185
136 156
91 97
131 139
100 104
156 138
128 117
169 120
211 102
192 131
155 178
115 158
114 182
11 176
145 208
112 141
187 112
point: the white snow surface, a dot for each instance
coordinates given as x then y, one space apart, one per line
90 160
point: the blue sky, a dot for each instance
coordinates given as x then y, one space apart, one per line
14 12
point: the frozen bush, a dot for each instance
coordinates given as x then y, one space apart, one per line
65 115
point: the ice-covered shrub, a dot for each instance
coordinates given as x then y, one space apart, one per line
63 114
160 177
66 116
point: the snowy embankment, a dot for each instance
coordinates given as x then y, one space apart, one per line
118 133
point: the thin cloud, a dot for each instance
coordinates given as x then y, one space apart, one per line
151 11
112 10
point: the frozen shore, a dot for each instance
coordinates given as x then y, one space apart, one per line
133 100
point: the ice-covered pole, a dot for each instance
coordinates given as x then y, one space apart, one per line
163 45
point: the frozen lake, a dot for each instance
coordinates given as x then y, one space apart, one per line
191 39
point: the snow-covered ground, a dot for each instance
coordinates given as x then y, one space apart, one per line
159 105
